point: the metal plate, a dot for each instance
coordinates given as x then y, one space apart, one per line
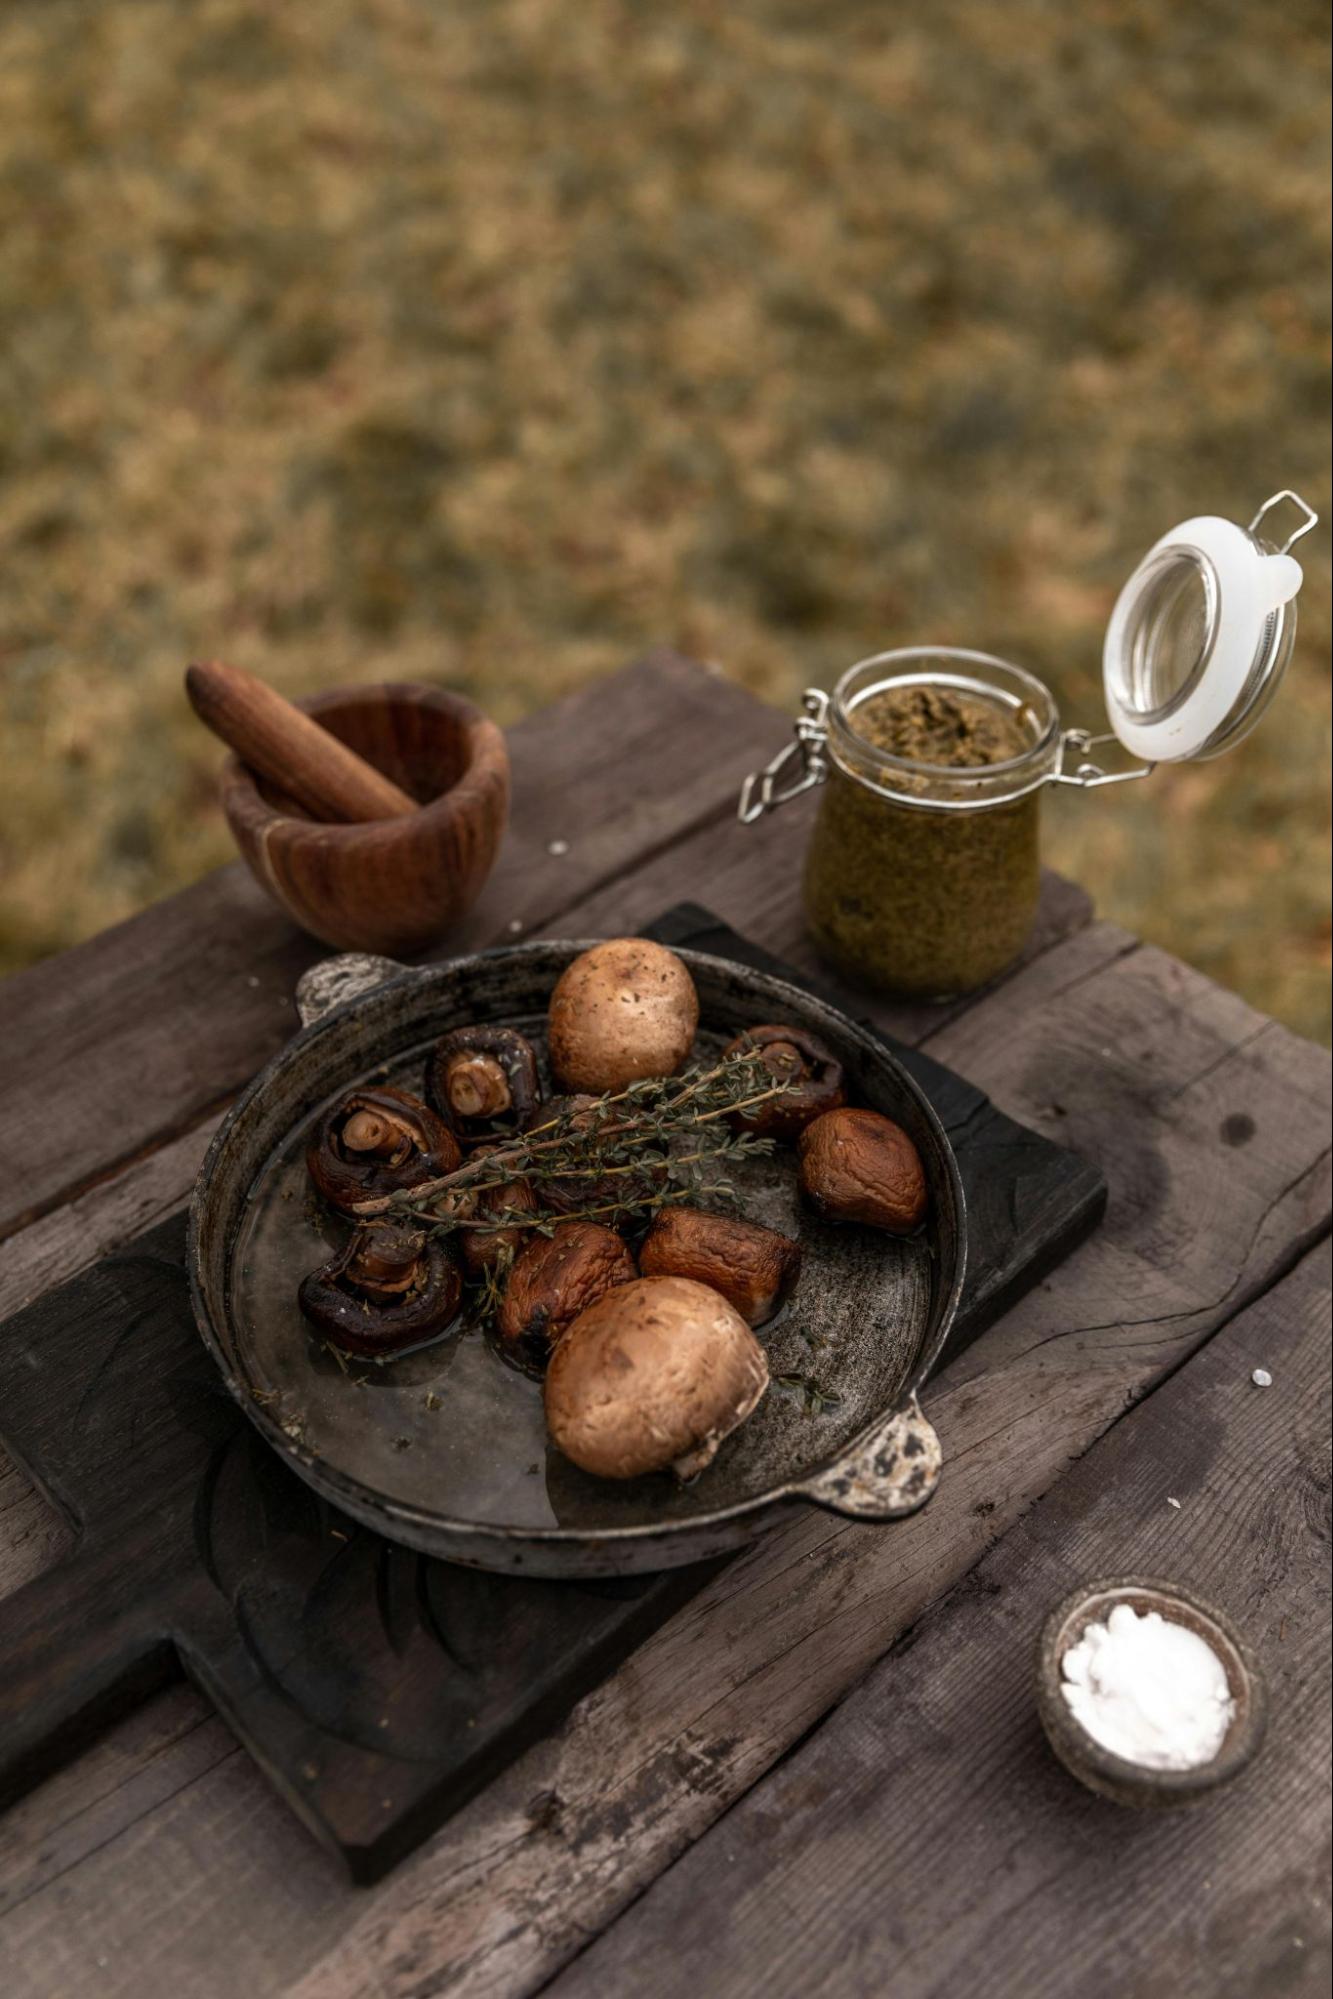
445 1449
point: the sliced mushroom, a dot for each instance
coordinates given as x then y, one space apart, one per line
484 1247
809 1071
554 1279
623 1010
753 1267
655 1374
378 1140
482 1081
387 1289
857 1166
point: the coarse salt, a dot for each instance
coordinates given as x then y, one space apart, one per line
1148 1690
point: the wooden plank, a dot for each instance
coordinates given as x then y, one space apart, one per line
115 1047
523 1876
33 1535
50 1251
925 1841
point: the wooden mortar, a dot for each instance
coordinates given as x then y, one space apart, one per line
390 884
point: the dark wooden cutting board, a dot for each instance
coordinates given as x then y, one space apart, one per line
379 1689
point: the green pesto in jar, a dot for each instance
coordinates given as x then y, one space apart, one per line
909 886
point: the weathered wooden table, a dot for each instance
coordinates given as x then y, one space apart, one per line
825 1774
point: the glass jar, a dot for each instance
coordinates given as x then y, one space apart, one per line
922 878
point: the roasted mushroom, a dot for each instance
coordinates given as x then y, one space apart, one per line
753 1267
811 1073
571 1192
482 1081
482 1248
857 1166
623 1010
656 1373
387 1289
378 1141
553 1279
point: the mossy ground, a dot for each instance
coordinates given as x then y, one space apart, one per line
490 341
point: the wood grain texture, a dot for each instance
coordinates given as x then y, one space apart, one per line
279 742
709 1704
405 1684
393 885
127 1041
147 1873
50 1252
925 1842
521 1878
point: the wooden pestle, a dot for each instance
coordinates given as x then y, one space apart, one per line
277 741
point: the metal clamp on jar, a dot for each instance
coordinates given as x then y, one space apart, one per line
923 869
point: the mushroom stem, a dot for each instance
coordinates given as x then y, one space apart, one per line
365 1132
477 1086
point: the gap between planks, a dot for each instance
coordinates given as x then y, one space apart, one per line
554 1849
922 1839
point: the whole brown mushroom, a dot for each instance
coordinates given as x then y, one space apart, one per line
857 1166
388 1288
554 1279
378 1141
655 1374
622 1010
809 1071
753 1267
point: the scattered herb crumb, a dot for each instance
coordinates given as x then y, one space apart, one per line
815 1398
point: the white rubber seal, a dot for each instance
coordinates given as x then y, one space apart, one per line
1249 585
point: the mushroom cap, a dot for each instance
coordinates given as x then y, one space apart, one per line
857 1166
622 1010
423 1146
557 1277
482 1081
752 1266
655 1373
806 1065
362 1320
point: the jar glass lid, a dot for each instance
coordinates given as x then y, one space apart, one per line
1200 636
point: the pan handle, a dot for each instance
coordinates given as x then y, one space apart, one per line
891 1474
336 981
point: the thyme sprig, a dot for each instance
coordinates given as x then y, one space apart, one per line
663 1137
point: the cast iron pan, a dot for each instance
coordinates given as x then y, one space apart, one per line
445 1449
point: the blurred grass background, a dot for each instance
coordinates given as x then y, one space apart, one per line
491 341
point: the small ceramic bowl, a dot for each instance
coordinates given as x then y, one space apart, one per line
385 885
1114 1776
